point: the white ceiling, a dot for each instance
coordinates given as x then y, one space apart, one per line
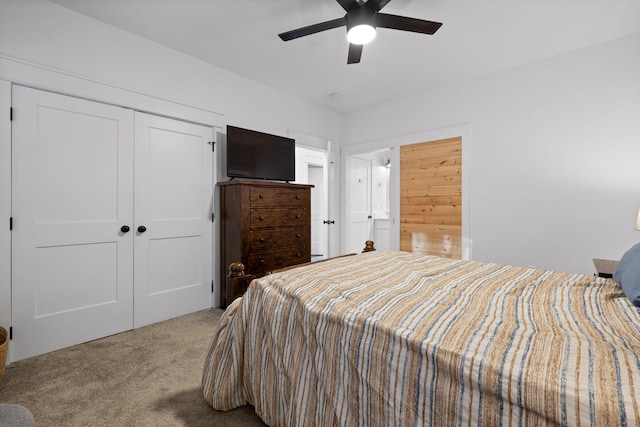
477 38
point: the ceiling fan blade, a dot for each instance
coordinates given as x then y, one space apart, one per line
355 52
379 4
347 5
312 29
403 23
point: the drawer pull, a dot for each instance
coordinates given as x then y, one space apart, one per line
297 235
298 254
297 216
297 197
261 196
262 240
261 261
261 218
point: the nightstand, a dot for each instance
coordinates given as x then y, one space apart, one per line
604 267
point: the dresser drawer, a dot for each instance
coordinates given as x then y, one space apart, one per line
274 196
279 217
261 263
262 240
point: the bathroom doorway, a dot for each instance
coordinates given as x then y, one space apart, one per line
369 200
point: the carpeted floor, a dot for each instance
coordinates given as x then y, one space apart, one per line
146 377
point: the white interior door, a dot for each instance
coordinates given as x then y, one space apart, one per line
359 203
311 168
72 191
319 212
174 202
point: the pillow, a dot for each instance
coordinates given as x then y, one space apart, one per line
627 274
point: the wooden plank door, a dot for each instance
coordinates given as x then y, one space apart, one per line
431 198
72 191
174 202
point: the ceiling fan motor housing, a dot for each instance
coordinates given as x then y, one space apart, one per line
360 16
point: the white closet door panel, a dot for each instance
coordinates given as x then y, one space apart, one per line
62 287
175 174
72 275
174 201
177 264
73 163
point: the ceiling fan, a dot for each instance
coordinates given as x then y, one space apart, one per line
362 19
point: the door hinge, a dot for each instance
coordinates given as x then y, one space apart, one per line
212 286
10 223
10 114
213 145
10 333
213 217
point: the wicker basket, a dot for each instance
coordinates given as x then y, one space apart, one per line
4 347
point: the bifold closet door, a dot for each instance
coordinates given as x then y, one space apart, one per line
111 220
72 197
173 206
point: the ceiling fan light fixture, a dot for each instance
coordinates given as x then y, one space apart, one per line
361 34
361 19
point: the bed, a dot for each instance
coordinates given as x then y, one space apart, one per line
396 339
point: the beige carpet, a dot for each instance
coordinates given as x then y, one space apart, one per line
146 377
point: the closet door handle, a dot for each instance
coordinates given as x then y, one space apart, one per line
142 229
125 229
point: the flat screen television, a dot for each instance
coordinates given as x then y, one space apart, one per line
258 155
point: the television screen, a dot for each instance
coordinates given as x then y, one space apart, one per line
252 154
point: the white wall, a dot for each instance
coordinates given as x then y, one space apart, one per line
555 154
44 33
48 46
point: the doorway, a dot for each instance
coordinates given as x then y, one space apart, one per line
369 200
311 168
394 145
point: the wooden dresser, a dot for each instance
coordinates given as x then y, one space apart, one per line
265 225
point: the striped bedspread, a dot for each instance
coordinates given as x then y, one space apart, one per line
398 339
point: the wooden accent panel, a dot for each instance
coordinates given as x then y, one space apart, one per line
431 198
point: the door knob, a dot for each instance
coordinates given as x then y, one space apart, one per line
125 229
142 229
